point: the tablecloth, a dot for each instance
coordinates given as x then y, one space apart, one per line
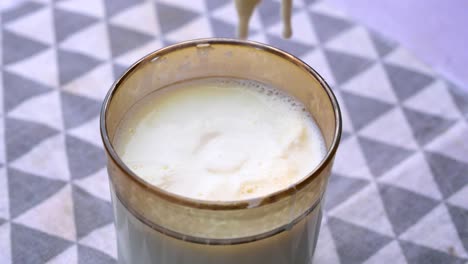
399 189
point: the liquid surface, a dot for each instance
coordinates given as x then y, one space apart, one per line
220 139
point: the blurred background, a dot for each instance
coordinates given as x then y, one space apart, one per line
433 30
399 189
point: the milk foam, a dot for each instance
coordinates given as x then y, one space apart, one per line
220 139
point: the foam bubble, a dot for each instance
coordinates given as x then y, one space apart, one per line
272 92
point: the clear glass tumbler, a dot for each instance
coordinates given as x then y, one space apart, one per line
155 226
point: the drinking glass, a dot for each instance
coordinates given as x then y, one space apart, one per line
156 226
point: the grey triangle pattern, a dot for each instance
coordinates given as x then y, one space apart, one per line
340 188
224 29
18 89
309 2
215 4
116 6
172 17
406 82
400 202
16 48
123 40
460 98
23 136
363 110
33 246
328 27
346 66
381 156
118 70
73 65
168 42
345 235
451 175
19 11
423 255
269 12
90 212
379 212
87 255
382 45
29 190
67 23
291 46
77 109
83 158
460 220
425 126
344 135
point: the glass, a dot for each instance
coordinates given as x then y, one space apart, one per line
155 226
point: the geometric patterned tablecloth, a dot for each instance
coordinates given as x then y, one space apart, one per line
399 190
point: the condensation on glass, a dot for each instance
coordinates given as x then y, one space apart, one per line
155 226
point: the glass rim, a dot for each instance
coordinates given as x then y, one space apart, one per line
221 205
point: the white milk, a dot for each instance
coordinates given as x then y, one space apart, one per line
220 140
139 244
245 9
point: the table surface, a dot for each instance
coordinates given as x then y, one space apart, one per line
399 189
